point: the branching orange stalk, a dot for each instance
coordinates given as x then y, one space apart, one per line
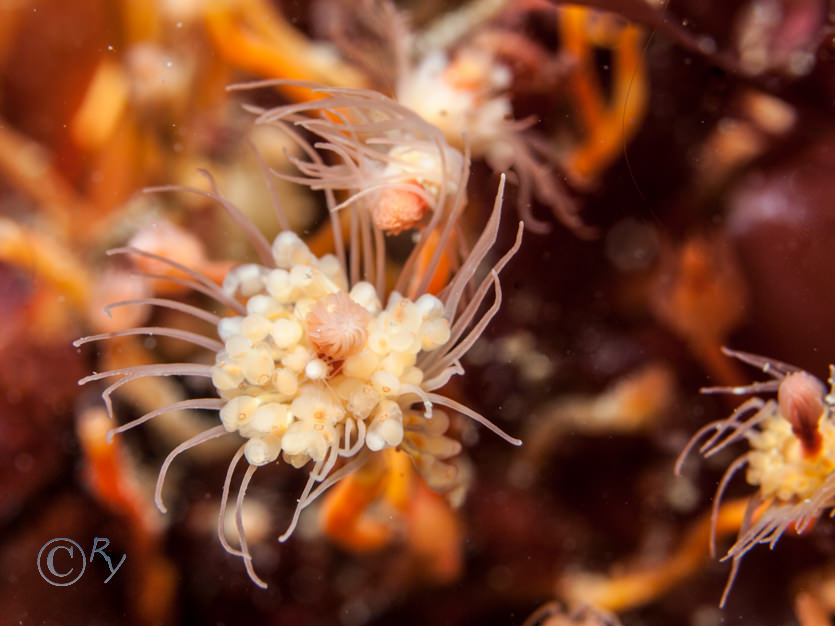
250 35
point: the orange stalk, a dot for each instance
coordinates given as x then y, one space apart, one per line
641 586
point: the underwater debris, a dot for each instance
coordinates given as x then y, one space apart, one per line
309 363
791 457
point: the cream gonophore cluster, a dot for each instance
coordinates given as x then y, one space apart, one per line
315 370
316 361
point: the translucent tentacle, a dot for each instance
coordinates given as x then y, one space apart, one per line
239 522
224 500
168 304
256 238
206 435
194 338
473 415
199 403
